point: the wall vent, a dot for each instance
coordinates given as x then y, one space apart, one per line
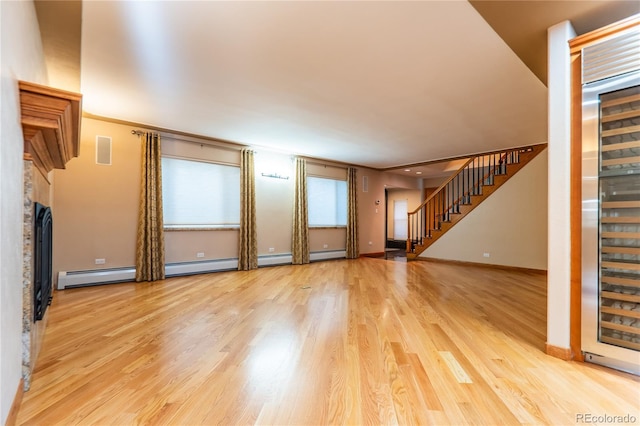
615 56
365 183
103 150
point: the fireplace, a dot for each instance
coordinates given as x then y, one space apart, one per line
51 129
42 270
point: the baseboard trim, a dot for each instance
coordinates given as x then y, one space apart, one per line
12 417
565 354
374 254
483 265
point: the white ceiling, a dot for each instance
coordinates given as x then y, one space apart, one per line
378 84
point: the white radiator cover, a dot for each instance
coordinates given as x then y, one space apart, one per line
94 277
326 255
71 279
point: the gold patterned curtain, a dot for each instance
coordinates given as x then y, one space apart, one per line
300 243
352 214
248 244
150 238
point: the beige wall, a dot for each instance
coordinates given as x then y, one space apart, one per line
97 205
274 202
96 210
510 225
184 246
60 23
327 171
371 216
333 239
434 182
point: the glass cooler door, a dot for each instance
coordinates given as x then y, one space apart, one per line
619 219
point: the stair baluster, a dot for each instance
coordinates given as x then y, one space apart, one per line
455 198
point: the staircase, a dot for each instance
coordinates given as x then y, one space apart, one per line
476 180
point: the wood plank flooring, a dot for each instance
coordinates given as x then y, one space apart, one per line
365 341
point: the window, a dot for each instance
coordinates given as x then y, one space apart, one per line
199 194
327 202
400 220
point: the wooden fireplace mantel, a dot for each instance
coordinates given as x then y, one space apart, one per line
50 124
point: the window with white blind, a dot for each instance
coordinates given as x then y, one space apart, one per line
199 194
327 202
400 220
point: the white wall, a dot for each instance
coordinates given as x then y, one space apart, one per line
510 225
21 59
559 271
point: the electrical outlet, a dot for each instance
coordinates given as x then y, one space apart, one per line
370 243
100 261
325 246
486 254
271 249
200 254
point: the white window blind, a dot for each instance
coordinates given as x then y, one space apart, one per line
203 194
400 220
327 202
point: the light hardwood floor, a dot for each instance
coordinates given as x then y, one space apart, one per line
366 341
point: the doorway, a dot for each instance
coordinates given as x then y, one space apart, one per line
398 202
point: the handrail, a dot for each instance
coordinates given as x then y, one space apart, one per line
478 171
453 176
485 177
442 186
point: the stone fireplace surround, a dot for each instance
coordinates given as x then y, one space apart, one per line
51 128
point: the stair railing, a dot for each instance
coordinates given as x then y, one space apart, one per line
455 192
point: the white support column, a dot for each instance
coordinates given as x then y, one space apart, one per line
559 186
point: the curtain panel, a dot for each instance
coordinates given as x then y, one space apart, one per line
300 242
150 237
352 213
248 244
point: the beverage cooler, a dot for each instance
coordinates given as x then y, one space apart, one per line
611 203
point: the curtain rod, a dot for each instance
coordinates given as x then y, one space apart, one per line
194 140
310 160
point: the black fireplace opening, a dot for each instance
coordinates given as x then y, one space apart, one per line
42 268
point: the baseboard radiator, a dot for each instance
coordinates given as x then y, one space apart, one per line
71 279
